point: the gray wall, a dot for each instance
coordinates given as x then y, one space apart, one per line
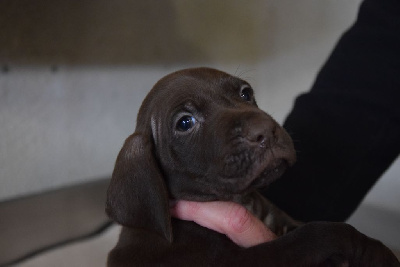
75 72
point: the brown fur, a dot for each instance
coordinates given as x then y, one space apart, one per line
232 149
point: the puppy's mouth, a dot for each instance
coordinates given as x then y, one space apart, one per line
269 174
254 169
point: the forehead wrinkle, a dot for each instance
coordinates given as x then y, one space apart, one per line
222 92
175 92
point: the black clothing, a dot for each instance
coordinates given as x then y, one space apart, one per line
346 130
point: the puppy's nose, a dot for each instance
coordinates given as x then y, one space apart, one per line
261 132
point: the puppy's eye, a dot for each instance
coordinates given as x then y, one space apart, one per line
185 123
246 93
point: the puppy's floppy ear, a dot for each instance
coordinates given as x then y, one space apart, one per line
137 196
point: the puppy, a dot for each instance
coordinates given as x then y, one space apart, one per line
200 136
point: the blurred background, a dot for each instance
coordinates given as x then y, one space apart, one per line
73 75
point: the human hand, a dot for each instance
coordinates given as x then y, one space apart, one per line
228 218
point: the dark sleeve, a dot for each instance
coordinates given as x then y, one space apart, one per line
346 130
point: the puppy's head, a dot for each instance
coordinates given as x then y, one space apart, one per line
199 136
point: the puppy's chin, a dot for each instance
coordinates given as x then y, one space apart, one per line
182 186
269 174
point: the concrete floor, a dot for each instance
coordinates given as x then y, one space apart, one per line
91 252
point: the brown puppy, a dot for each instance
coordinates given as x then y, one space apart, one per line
200 136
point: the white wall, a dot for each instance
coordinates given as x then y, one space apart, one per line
74 75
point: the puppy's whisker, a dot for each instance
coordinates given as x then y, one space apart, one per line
243 72
237 69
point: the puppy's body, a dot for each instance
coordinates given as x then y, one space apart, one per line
200 136
275 219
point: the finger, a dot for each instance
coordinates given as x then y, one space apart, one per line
227 218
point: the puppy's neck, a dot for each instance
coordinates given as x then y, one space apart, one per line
253 202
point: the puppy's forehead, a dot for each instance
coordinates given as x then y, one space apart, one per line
197 83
